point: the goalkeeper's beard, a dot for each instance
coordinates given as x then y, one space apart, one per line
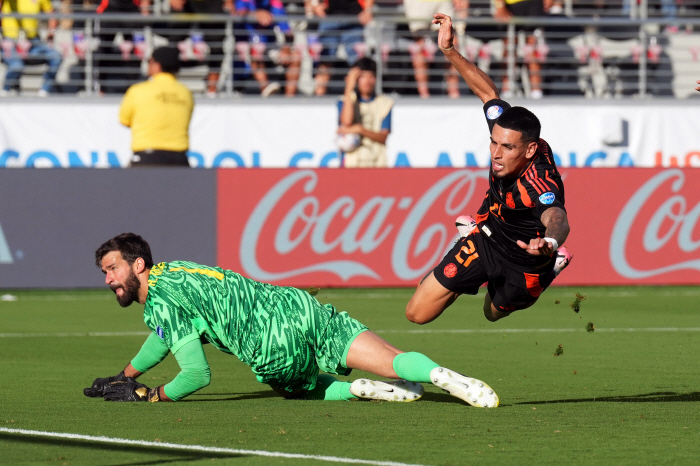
130 290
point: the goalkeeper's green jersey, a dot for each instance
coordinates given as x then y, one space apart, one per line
187 301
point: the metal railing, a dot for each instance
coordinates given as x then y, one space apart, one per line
575 56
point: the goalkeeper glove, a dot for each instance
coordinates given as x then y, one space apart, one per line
130 390
98 386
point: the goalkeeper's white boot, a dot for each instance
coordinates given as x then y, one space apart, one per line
465 225
562 261
473 391
397 390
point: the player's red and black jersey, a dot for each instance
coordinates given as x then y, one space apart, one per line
512 209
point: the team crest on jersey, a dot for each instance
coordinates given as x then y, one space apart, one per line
509 200
159 332
450 270
547 198
494 112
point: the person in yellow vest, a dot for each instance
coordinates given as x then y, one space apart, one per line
21 42
158 112
365 114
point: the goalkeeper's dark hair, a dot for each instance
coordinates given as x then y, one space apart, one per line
522 120
130 245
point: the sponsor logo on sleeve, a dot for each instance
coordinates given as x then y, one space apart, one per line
159 332
547 198
494 112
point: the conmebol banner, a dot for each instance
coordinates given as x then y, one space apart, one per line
390 227
282 134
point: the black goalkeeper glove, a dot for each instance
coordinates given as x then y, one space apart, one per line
130 390
98 386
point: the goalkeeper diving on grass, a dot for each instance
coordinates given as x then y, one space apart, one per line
284 334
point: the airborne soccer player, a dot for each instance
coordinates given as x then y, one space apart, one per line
515 244
284 334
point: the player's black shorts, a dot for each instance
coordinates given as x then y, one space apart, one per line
527 9
472 262
159 158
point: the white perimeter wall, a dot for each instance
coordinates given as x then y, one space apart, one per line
283 133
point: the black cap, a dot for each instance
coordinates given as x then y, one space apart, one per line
168 58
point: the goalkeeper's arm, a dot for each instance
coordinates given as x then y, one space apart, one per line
194 375
153 351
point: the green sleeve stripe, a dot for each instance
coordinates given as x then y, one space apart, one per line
183 341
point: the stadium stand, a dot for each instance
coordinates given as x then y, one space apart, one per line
587 48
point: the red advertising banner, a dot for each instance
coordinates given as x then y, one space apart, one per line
388 227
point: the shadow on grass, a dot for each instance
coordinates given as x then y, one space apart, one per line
663 397
447 398
180 455
231 396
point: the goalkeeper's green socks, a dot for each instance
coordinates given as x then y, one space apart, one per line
414 367
330 389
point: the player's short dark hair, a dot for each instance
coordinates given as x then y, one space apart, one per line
130 245
366 64
168 58
522 120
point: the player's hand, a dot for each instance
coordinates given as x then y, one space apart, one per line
446 34
129 390
99 385
698 88
537 247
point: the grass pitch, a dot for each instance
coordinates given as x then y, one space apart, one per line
625 393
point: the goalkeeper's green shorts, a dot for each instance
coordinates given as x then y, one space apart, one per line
301 337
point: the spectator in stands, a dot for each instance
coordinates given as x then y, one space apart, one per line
21 43
365 114
204 35
110 57
261 38
421 12
334 33
505 9
158 112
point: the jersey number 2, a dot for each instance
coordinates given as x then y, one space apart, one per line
470 251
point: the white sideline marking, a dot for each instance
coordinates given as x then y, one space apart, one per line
333 459
428 331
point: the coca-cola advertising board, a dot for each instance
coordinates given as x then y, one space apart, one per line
390 227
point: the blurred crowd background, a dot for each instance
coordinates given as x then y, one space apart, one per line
231 48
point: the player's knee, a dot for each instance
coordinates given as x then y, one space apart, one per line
413 315
492 314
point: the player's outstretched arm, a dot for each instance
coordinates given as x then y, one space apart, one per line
557 229
478 81
194 375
